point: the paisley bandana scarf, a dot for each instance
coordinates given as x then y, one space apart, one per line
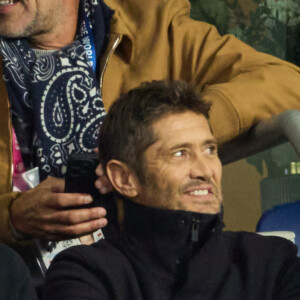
59 94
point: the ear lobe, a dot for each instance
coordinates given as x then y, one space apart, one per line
122 178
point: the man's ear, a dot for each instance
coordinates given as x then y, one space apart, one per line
122 178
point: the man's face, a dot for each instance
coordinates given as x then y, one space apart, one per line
183 171
26 18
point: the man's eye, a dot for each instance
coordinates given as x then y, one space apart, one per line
179 153
212 149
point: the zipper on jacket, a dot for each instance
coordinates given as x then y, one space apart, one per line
113 48
195 230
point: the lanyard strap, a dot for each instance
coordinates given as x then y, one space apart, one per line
88 40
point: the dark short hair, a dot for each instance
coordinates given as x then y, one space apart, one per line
127 132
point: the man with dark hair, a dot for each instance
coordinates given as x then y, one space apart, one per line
132 136
64 62
171 245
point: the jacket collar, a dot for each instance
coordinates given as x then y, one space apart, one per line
119 29
162 240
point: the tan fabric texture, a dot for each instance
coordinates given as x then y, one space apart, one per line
154 40
6 235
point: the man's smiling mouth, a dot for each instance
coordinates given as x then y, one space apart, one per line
199 189
199 193
7 2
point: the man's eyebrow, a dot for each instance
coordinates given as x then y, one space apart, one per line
189 145
181 145
210 141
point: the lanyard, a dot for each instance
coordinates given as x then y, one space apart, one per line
88 40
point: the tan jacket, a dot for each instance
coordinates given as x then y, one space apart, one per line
157 40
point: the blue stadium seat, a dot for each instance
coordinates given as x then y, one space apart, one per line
285 217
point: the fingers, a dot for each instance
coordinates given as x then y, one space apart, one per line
60 223
82 228
41 212
56 232
66 200
102 183
99 170
76 216
57 198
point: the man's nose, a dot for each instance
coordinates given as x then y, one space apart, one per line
201 168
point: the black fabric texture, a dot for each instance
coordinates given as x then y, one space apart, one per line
156 257
15 281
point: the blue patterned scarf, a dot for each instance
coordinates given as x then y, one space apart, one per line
59 94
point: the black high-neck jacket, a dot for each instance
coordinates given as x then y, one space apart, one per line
162 254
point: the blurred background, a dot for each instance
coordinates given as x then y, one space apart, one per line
259 182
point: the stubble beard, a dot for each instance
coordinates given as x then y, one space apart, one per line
161 198
169 196
30 29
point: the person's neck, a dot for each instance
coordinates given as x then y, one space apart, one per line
62 35
53 41
157 238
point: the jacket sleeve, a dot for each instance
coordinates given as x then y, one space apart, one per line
6 195
244 85
89 272
6 234
100 271
71 276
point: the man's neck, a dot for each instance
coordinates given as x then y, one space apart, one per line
62 35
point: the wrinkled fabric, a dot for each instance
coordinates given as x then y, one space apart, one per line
154 40
155 257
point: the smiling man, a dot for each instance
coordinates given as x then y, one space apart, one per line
184 154
64 62
161 158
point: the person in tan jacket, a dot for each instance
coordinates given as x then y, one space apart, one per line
64 62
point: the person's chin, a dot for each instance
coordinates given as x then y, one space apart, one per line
204 206
206 209
201 203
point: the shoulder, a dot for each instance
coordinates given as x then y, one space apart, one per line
152 5
259 247
15 278
94 257
83 272
11 262
251 238
157 12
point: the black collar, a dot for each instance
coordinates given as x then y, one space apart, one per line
163 240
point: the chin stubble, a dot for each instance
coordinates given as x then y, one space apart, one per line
28 31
